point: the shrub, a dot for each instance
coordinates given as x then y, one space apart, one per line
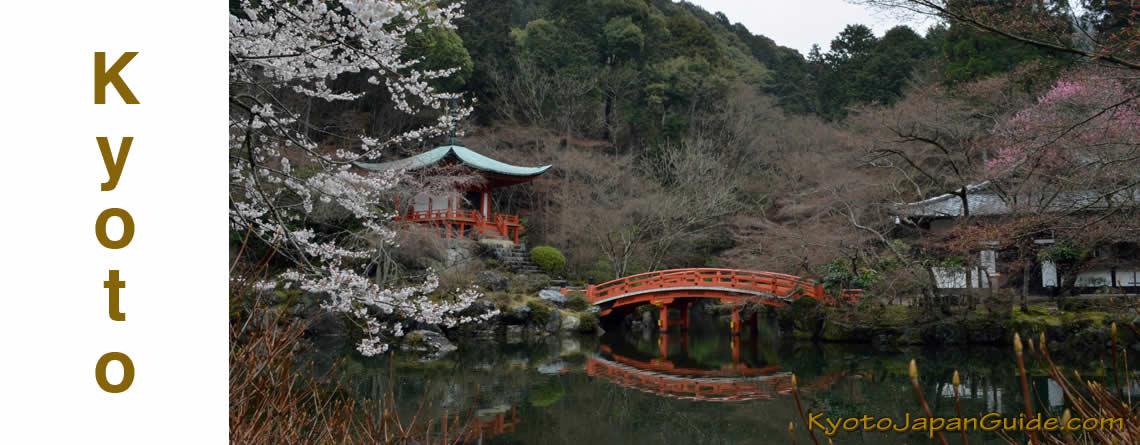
540 311
588 323
549 259
577 302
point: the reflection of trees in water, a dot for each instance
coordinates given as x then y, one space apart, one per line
575 409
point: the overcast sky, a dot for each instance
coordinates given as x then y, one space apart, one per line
800 23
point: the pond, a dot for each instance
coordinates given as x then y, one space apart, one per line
696 387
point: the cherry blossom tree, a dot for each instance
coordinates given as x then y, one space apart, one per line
1066 166
284 53
1077 146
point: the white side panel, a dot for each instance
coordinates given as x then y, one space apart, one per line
955 278
1094 278
1048 274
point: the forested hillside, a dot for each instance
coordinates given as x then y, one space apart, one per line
681 138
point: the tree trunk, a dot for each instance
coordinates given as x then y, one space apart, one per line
970 285
609 119
1026 275
933 289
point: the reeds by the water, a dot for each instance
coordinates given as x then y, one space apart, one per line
272 401
1085 399
913 371
800 408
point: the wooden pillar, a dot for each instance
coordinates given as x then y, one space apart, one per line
734 325
485 204
736 349
685 315
663 318
663 346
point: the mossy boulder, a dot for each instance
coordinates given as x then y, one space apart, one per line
423 340
587 322
540 311
528 283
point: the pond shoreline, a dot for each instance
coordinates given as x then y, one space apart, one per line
1073 331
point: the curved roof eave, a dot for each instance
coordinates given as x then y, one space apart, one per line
465 155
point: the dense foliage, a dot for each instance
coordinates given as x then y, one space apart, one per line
682 139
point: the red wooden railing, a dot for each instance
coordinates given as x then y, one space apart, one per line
507 226
781 285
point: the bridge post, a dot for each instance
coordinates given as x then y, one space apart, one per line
736 350
663 318
685 315
663 346
734 325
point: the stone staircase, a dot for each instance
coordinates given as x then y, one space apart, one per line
515 257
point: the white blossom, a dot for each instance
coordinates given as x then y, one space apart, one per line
300 48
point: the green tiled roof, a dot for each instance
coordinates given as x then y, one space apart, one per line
464 155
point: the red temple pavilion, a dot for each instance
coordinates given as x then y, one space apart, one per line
466 211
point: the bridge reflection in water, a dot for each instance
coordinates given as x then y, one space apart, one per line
749 374
663 378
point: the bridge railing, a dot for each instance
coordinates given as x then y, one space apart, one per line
765 282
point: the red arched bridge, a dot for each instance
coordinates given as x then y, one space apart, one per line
681 287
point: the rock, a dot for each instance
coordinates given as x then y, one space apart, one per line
944 333
518 315
423 340
327 323
491 280
459 253
569 346
528 282
534 333
553 295
570 322
554 322
514 334
427 327
594 309
479 329
490 413
552 368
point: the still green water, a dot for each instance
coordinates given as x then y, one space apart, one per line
705 389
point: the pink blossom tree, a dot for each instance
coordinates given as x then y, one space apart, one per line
1075 147
284 53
